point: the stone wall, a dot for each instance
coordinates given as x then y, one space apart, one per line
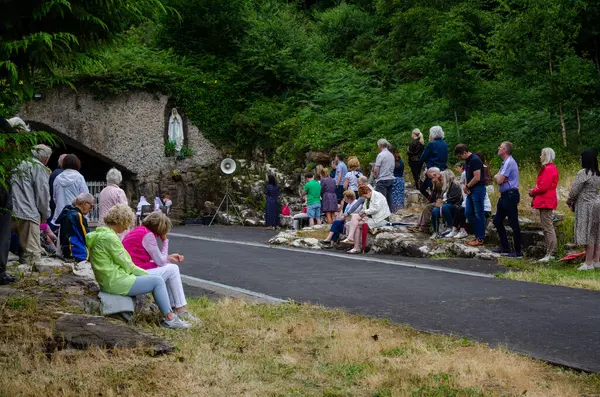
127 130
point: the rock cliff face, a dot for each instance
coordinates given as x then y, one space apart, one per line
127 130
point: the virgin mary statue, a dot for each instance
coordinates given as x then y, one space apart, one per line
176 130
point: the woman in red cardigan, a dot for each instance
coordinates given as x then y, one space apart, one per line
546 201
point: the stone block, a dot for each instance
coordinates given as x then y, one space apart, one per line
111 304
84 331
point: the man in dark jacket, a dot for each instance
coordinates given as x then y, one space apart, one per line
74 227
5 215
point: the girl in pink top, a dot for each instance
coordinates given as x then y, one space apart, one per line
141 245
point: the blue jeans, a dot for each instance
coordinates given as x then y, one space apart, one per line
156 285
447 211
474 210
314 211
508 206
337 227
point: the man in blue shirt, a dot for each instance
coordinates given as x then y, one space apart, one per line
508 204
434 155
475 191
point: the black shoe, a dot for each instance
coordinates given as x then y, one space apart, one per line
8 279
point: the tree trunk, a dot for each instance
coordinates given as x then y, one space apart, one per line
562 125
457 129
578 127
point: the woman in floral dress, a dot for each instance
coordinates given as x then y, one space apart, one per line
584 199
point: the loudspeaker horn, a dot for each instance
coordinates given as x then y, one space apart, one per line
228 166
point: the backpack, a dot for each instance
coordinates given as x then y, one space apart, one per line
487 175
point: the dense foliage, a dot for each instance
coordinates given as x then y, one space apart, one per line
293 76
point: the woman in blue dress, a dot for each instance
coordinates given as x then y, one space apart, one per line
272 207
398 187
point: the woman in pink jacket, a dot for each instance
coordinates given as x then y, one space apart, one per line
141 245
546 201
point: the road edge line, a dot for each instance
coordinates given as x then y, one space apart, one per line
225 289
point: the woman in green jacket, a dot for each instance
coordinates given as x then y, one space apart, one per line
115 272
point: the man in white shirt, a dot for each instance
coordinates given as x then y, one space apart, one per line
384 170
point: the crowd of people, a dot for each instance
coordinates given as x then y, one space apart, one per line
49 209
457 206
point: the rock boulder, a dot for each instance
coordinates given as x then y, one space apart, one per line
83 331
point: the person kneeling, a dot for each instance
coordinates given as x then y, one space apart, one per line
374 214
73 227
141 245
116 273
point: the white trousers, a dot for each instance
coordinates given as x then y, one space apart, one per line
170 273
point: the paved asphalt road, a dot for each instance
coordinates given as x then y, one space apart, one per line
557 324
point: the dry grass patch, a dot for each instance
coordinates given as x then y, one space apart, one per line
285 350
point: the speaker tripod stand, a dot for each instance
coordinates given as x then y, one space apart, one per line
226 200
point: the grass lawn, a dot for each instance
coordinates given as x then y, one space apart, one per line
556 273
265 350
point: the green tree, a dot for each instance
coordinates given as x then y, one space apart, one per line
44 35
532 40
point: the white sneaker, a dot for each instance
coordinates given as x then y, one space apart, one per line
586 267
451 234
546 259
176 323
596 265
462 234
188 317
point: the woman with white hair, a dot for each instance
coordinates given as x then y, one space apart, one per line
545 199
112 194
415 149
434 155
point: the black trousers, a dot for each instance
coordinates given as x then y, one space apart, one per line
385 188
5 228
508 207
415 169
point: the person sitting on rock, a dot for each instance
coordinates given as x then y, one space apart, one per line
434 175
141 245
116 273
353 206
73 227
447 203
375 213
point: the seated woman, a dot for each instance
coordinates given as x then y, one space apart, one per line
117 274
73 227
141 245
434 176
374 214
353 206
447 204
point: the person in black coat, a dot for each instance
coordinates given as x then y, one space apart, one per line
5 215
415 149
